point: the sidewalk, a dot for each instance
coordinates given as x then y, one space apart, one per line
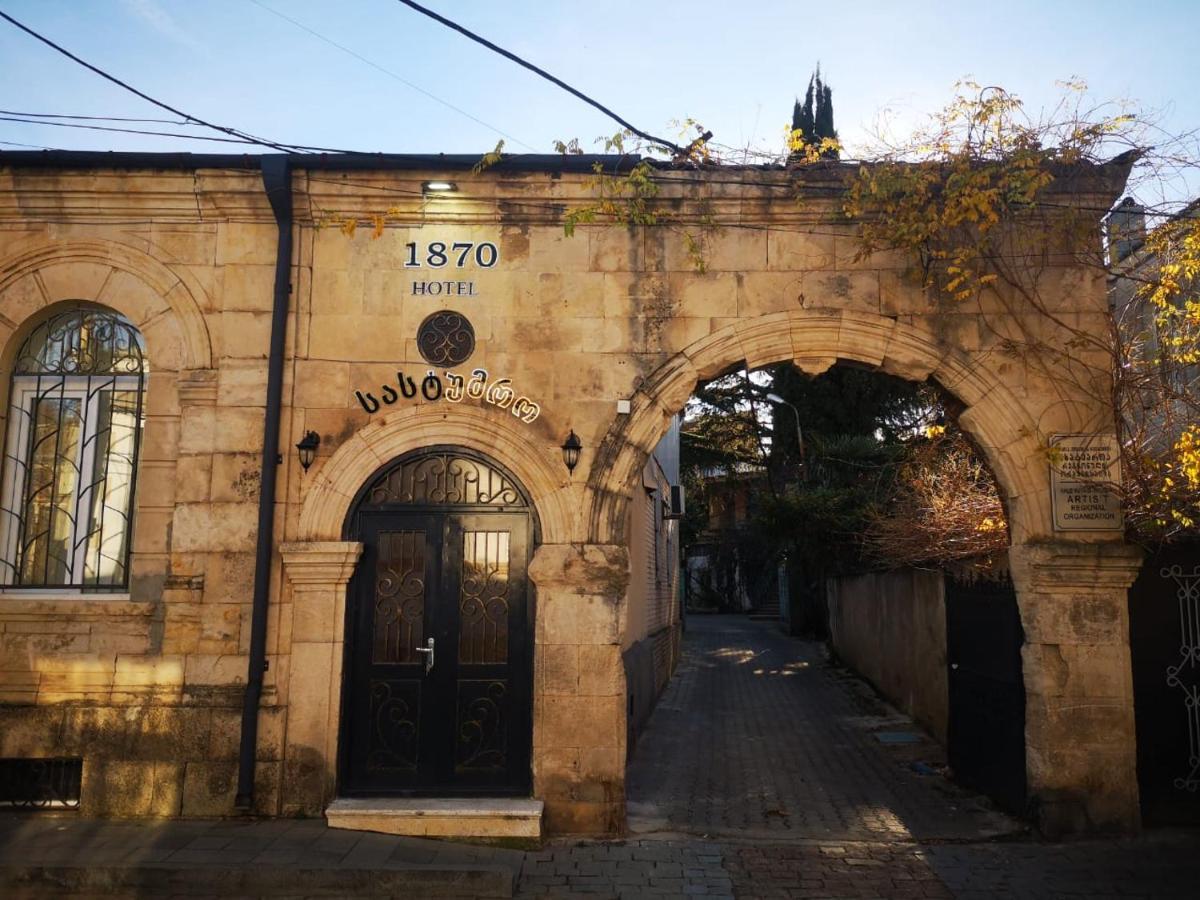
60 855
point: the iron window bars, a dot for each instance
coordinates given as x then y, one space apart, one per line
70 461
36 784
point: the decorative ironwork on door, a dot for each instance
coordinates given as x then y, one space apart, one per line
1164 646
1185 674
438 699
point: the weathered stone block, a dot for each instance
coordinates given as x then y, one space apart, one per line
321 384
601 673
564 816
242 382
560 669
215 527
235 477
209 788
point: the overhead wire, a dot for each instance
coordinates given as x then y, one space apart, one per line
454 26
391 74
37 115
27 146
232 132
175 134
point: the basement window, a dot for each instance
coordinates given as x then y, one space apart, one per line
40 783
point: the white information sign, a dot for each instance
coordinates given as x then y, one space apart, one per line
1084 475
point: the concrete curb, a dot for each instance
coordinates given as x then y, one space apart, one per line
166 879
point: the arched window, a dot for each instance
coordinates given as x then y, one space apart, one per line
70 457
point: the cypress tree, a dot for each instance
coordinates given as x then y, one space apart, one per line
802 115
814 117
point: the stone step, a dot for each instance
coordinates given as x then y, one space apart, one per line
518 818
165 879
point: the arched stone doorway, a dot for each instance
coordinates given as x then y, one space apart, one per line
1080 744
437 695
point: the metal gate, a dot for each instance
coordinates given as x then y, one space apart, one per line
986 739
1164 642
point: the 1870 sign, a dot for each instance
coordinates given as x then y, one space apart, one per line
1084 472
453 255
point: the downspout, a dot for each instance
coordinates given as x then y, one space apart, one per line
277 180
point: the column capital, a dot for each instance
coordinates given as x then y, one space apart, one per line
198 387
1065 565
320 563
594 569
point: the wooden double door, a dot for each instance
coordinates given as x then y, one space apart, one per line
438 687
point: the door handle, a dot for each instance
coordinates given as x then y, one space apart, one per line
428 651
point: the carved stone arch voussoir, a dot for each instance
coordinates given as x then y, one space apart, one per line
814 339
332 484
148 292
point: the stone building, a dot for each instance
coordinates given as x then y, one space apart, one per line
423 600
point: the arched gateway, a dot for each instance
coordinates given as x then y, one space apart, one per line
443 366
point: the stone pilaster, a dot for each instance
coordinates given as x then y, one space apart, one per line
579 687
1080 743
318 572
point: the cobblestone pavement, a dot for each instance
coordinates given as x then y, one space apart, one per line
757 736
759 776
1161 866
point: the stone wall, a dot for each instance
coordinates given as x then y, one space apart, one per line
890 627
576 324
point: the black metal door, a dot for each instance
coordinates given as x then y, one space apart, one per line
1164 642
986 740
438 687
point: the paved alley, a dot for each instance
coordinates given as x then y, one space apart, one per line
758 736
760 775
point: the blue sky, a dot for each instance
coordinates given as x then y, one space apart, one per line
736 68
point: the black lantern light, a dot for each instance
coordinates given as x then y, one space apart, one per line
308 448
570 448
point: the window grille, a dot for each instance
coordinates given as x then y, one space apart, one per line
73 435
40 783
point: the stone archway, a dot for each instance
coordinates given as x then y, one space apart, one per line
1081 750
165 306
318 564
815 340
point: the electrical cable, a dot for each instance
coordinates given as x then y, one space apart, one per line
28 146
673 147
188 137
232 132
175 134
35 115
391 74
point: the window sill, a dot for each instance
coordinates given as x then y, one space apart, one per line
72 604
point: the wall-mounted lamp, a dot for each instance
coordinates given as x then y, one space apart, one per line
438 187
308 448
570 448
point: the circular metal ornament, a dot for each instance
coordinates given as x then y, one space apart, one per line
446 338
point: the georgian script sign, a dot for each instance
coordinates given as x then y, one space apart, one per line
1084 472
453 388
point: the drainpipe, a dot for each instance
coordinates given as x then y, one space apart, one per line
277 179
